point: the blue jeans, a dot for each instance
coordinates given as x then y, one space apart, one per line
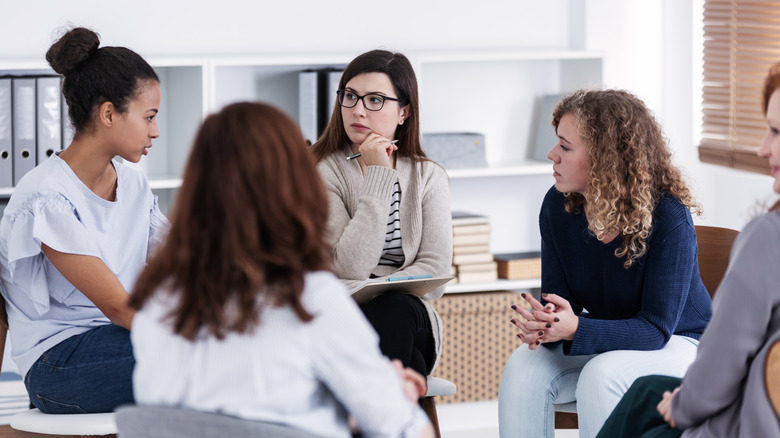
535 380
87 373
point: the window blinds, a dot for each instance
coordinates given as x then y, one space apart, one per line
741 42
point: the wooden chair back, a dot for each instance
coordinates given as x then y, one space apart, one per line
714 251
772 376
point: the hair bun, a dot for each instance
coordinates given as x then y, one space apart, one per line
72 50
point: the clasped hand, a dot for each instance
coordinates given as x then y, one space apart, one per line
552 322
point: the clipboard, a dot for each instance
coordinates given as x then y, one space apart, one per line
370 288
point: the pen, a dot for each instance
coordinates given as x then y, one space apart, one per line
413 277
353 156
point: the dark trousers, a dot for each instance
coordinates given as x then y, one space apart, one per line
404 329
636 415
86 373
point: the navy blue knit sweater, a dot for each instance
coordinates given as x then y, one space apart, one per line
638 308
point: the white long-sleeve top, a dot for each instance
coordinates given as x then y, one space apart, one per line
304 375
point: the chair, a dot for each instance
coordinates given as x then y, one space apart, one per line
170 422
772 376
436 387
36 421
714 250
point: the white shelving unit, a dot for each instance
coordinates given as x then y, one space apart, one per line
495 93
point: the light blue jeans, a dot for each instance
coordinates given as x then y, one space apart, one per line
535 380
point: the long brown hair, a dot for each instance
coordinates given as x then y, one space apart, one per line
249 222
398 68
630 166
771 83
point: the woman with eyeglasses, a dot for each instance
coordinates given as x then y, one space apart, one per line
390 206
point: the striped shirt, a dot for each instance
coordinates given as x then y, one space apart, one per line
393 254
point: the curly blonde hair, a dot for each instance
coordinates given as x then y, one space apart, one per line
630 167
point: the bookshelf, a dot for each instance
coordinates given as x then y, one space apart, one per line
493 92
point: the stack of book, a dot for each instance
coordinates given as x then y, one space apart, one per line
519 265
471 257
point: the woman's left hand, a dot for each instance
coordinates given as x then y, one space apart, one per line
566 322
665 406
414 384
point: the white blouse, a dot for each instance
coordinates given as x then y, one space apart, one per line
304 375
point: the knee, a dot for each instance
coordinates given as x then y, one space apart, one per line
521 372
604 378
392 303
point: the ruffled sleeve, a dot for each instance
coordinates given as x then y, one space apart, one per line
158 227
51 219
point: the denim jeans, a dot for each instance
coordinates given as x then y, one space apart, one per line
535 380
87 373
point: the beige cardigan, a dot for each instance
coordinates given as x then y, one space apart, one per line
357 222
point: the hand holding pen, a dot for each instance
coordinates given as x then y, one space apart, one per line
376 151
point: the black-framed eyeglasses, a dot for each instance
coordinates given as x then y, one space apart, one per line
371 101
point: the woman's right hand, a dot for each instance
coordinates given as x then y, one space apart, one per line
377 151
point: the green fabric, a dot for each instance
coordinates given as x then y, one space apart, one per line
636 415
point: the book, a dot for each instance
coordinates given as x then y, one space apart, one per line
466 218
418 286
470 239
477 277
519 265
461 230
470 249
462 259
476 267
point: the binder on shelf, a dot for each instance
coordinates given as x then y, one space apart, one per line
67 128
23 100
49 112
329 99
6 132
308 111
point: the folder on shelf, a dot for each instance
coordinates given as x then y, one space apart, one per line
67 127
329 99
49 112
371 288
308 111
6 132
23 99
545 137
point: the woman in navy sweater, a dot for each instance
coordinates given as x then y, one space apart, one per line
622 295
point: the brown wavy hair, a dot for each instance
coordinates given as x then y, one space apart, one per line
249 223
398 68
771 83
630 167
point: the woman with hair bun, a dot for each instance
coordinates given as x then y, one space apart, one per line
78 230
622 294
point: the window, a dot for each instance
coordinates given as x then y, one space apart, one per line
741 42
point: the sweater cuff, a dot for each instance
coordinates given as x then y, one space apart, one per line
378 181
585 331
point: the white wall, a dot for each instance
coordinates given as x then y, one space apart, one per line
648 48
212 27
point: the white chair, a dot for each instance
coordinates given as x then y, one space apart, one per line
437 387
36 421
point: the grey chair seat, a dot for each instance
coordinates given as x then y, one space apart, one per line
169 422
